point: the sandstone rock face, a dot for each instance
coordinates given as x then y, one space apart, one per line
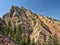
4 40
40 28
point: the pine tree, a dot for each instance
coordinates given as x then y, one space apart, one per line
6 30
1 27
23 39
53 41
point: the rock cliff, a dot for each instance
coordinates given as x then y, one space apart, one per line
39 28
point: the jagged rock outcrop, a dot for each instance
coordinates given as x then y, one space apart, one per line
40 28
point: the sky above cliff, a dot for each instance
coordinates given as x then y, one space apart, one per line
43 7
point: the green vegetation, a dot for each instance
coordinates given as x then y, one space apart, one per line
15 34
1 27
24 39
53 41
